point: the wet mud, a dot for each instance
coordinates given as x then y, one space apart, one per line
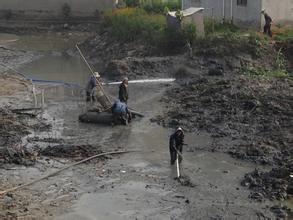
142 184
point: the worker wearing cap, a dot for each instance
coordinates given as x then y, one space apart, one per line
268 23
91 85
176 145
123 90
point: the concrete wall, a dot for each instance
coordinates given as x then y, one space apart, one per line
191 3
281 11
243 16
47 8
248 16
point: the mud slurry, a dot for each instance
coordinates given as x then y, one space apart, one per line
139 185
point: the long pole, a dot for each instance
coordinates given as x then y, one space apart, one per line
64 168
177 166
99 84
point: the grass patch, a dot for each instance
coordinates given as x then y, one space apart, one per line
159 6
136 24
259 72
130 24
283 33
213 27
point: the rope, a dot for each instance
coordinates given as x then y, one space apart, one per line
64 168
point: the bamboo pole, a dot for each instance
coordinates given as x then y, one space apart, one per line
89 67
64 168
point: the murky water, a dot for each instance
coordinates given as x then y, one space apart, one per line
43 41
58 66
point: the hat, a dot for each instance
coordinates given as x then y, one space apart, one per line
125 79
263 10
179 129
97 75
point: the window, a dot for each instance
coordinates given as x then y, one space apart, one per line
242 2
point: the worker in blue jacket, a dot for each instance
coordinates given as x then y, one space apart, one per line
120 113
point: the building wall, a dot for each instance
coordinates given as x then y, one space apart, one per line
248 16
47 8
281 11
243 16
191 3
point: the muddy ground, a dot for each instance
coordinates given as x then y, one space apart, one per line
219 118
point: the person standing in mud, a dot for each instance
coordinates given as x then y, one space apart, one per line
268 23
123 91
91 85
120 113
176 145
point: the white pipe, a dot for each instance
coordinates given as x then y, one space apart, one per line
144 81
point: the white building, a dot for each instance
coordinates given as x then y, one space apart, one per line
247 13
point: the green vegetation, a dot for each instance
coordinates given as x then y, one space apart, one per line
221 39
159 6
284 34
280 70
260 72
131 24
212 27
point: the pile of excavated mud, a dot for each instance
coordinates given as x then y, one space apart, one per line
72 151
14 126
275 184
252 115
115 60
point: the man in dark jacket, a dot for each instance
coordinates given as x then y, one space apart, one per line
123 91
176 144
268 23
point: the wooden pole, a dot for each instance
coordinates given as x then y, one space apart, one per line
89 67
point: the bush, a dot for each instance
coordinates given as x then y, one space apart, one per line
132 3
133 23
130 24
213 26
189 33
159 6
66 10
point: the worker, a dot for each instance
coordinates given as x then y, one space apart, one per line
268 23
94 80
176 145
120 113
123 90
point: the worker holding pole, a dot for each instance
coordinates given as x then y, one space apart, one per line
91 85
176 145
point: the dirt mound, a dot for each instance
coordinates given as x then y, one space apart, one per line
253 114
275 184
72 151
14 126
140 68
